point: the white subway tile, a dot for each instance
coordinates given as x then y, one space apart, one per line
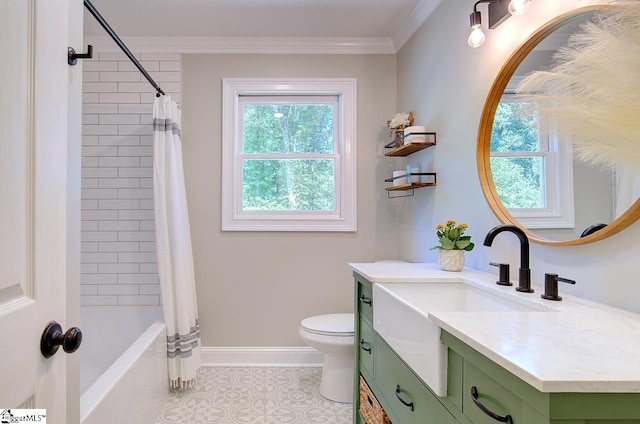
86 290
98 236
119 97
88 269
89 119
139 257
146 204
99 130
90 98
146 246
99 300
147 226
135 172
98 278
129 268
135 151
89 257
139 300
89 247
146 161
146 182
89 162
88 204
119 246
99 172
99 66
89 183
146 119
119 76
117 56
120 204
136 236
135 87
100 151
90 140
150 289
135 130
120 119
146 140
147 98
99 193
100 108
142 215
89 226
175 66
135 193
138 278
119 140
100 87
161 56
151 268
150 65
107 289
127 66
90 76
119 225
99 215
119 182
133 108
119 161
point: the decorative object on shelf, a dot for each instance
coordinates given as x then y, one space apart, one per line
397 125
453 244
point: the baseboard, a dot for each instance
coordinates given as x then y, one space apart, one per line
261 356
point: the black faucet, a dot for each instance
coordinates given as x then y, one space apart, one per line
524 273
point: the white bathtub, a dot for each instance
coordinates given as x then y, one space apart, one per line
123 368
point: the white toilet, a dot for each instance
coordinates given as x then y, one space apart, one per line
333 336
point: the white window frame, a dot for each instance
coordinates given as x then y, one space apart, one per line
344 216
558 177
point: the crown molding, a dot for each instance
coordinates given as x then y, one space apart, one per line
253 45
420 13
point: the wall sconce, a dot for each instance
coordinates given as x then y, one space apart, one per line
499 11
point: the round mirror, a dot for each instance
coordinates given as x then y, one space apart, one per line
530 176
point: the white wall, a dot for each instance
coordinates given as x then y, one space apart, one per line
118 232
445 83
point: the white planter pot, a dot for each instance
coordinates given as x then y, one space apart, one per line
451 260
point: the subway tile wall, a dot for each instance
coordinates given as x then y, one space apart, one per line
118 233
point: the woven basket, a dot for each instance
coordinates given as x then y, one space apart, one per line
370 408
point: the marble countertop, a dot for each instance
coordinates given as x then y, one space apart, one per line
577 346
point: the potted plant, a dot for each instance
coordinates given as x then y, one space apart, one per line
453 244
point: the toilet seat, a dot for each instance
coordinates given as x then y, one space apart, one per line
337 325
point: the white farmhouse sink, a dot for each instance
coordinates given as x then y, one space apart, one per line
401 317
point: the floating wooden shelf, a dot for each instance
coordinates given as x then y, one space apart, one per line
405 187
407 149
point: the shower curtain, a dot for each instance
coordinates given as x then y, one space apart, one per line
173 244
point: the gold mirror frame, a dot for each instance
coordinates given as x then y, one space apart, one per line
484 141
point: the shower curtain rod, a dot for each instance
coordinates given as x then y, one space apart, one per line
124 48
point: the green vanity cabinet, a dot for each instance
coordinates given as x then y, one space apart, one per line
407 400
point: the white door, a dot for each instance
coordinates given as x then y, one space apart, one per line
33 186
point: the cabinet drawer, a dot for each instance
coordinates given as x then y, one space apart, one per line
365 299
491 394
366 344
408 398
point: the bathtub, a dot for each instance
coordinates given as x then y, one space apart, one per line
123 374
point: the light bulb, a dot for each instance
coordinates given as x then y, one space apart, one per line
476 38
518 7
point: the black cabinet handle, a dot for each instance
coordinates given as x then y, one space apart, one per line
474 396
364 299
404 402
365 346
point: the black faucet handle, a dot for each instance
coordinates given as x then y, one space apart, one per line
503 279
551 286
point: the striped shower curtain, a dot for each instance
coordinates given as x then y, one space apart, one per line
173 244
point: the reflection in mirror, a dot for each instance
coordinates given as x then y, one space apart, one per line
528 171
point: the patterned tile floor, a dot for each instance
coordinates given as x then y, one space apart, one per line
254 395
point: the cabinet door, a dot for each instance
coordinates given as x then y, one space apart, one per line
365 299
366 344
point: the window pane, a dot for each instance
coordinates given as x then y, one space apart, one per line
519 181
288 128
288 185
515 128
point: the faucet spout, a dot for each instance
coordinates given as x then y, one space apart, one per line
524 272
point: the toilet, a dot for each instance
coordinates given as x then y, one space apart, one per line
333 336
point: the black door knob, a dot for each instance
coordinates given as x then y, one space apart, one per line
53 338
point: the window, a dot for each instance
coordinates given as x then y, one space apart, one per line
288 155
532 169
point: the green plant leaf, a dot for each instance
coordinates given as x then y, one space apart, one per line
446 243
462 244
469 247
